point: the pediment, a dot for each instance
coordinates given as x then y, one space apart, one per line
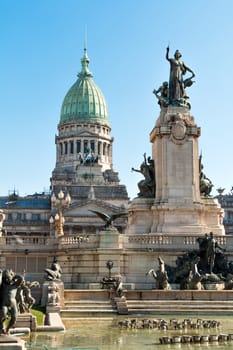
82 208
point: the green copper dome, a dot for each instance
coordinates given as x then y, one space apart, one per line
84 102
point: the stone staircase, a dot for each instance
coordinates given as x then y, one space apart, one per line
84 303
179 306
80 308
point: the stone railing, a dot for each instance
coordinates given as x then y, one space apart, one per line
43 243
25 242
92 241
82 241
170 242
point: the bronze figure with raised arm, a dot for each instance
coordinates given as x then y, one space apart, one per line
177 95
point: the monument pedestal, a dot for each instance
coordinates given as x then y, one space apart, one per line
176 218
110 245
110 239
188 219
178 207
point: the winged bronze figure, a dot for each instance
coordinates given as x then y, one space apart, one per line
108 219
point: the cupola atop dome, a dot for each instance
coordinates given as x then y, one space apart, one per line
84 102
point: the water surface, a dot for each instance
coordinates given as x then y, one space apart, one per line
104 334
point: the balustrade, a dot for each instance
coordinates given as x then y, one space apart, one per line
146 241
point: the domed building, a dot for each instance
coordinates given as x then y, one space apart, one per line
38 227
84 166
84 129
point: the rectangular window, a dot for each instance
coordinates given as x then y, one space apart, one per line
66 148
71 147
86 146
78 146
93 146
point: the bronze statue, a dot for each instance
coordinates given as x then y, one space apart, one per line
9 284
24 298
146 186
206 184
118 286
208 248
160 276
194 279
54 273
177 95
162 94
203 243
212 248
108 219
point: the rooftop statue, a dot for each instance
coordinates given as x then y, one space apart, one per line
173 93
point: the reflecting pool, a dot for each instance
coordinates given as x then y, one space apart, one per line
104 334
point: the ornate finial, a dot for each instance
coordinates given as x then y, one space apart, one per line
85 63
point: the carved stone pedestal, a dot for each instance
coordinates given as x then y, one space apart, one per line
52 293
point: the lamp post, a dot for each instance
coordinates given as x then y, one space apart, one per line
58 219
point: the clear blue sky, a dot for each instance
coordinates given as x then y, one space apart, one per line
42 43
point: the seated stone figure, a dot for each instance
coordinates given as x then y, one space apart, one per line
147 185
206 184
